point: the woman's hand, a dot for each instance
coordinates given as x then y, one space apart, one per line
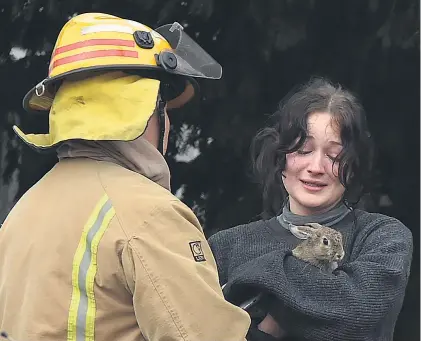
271 327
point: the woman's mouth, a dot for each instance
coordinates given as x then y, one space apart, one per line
313 185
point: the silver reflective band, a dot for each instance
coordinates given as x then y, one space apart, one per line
83 271
82 312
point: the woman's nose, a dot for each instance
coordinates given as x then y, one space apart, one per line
316 164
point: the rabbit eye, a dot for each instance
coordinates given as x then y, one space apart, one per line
325 241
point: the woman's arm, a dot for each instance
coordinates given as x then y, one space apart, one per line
221 247
359 299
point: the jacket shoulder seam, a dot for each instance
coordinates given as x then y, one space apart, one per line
109 197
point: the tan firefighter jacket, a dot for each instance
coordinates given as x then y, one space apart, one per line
95 251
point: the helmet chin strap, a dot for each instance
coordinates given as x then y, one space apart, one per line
161 124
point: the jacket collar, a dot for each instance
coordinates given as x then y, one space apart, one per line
138 155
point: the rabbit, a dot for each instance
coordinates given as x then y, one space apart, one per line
322 246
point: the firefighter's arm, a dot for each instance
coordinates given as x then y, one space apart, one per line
172 275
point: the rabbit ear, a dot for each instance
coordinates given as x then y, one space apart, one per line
314 225
302 232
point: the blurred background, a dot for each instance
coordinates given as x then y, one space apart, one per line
266 47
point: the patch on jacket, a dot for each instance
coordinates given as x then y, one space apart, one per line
197 252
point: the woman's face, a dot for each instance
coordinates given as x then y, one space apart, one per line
309 178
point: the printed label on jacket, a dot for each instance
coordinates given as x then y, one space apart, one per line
197 252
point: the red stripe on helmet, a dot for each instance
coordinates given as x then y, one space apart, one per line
95 54
94 42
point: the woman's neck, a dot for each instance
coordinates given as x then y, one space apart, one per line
329 217
300 210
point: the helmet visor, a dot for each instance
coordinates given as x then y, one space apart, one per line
192 60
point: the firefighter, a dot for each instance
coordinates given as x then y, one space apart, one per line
99 248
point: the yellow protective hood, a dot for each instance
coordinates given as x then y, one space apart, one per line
111 106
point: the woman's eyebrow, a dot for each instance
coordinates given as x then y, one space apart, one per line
332 142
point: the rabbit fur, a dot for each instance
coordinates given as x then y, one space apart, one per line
322 246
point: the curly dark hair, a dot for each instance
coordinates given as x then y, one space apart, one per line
287 132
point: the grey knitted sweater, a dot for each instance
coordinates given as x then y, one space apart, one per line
360 300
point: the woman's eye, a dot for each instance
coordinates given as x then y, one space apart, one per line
332 157
303 152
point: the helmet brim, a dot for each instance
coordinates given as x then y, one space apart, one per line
41 102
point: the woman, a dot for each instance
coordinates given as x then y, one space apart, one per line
313 162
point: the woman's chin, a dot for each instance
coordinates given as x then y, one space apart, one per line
313 205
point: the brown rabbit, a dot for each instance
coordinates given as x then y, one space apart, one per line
322 246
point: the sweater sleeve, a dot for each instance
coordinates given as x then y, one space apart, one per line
353 302
220 248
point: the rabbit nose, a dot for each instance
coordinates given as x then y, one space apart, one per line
339 255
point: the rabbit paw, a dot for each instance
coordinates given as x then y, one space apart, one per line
333 266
